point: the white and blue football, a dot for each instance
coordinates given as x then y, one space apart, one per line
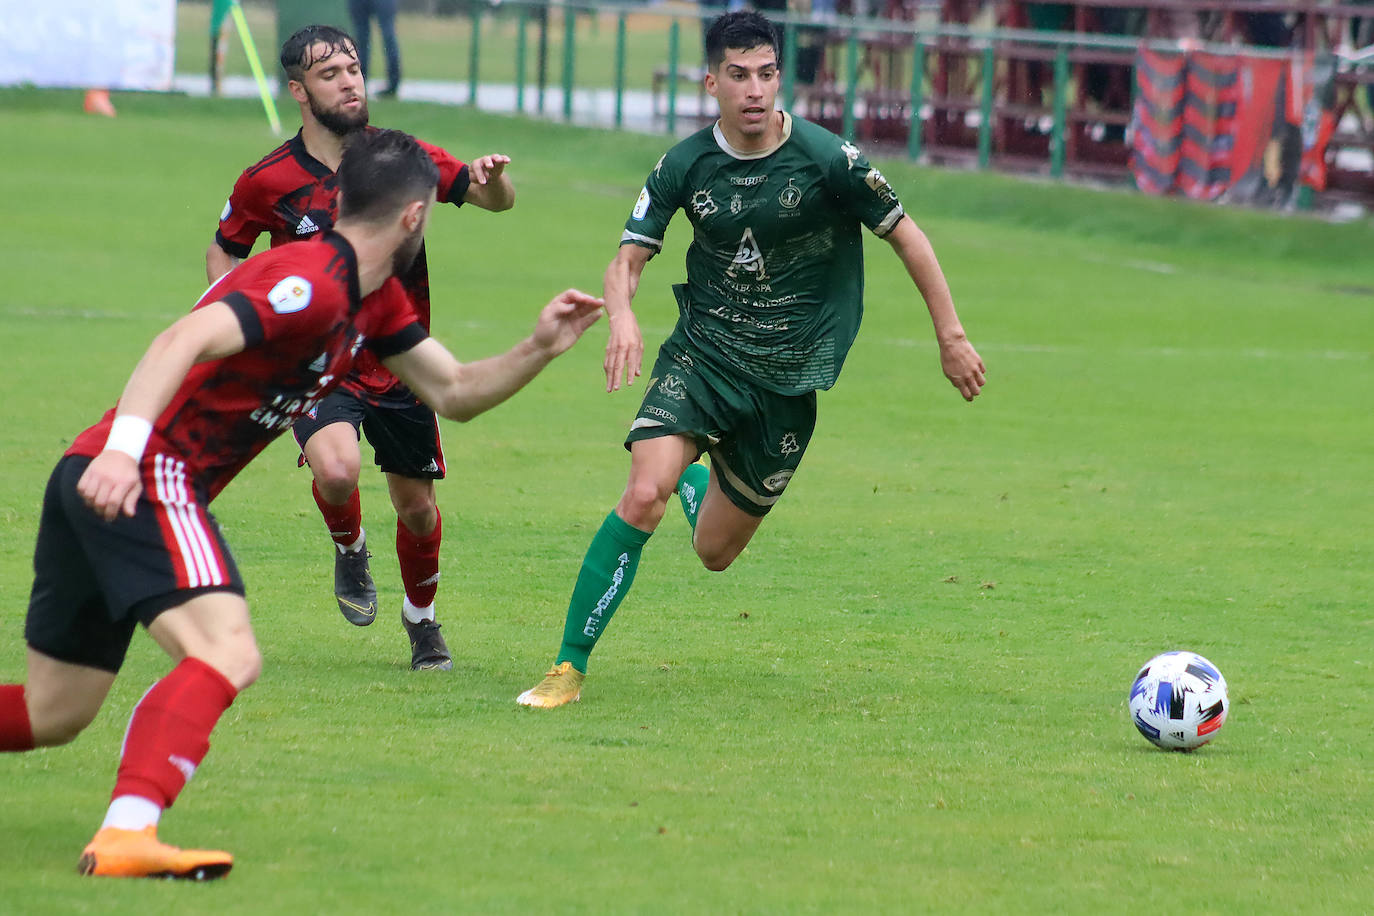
1178 701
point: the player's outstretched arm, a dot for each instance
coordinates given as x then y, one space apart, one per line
625 346
490 187
961 363
111 482
461 391
218 262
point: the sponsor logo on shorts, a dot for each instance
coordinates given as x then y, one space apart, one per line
776 483
788 445
672 388
659 412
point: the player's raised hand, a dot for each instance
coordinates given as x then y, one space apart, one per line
488 168
564 319
111 484
624 351
963 367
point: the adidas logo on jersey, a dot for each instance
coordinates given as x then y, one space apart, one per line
320 362
306 226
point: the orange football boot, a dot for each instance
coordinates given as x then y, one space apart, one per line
119 853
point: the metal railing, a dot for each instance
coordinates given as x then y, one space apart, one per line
980 50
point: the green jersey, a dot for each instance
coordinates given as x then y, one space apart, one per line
775 270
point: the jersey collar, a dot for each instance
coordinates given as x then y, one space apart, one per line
759 154
303 158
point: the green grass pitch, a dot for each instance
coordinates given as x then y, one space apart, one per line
909 695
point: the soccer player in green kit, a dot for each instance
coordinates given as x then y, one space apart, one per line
772 302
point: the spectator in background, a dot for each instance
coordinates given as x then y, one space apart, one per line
384 11
1362 36
1269 30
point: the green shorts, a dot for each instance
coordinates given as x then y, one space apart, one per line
755 437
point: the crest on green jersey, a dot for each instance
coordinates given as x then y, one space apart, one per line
791 196
702 204
748 259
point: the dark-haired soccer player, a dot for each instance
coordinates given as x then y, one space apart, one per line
290 195
772 302
125 536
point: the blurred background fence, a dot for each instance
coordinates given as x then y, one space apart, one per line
1260 100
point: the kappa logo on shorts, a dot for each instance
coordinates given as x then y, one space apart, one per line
776 483
788 445
290 295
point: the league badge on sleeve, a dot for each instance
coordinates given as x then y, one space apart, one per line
224 214
641 205
290 295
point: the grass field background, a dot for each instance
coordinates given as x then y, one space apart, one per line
909 695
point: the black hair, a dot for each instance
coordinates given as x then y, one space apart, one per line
382 171
295 52
741 30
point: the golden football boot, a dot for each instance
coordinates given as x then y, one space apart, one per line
116 853
563 684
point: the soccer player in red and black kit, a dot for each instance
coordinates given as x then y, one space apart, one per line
125 536
290 195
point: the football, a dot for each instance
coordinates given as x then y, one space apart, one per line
1178 701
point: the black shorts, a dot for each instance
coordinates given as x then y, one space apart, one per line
404 437
94 581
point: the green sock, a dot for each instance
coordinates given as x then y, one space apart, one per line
607 571
691 489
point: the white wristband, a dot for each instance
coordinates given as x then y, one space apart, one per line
129 434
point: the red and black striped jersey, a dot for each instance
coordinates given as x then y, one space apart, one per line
291 195
303 326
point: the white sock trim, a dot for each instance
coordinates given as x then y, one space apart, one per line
132 812
356 545
417 614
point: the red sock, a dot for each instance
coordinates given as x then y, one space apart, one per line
16 733
169 732
345 522
419 561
